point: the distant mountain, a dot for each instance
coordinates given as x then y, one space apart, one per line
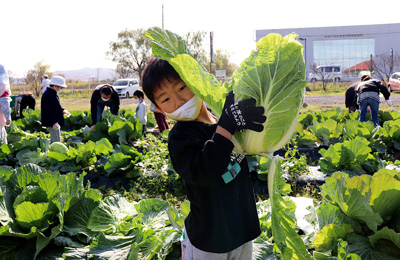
86 73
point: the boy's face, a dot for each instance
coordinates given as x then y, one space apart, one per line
172 95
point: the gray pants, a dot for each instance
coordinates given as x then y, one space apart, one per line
55 134
189 252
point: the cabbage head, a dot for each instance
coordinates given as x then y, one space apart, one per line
274 74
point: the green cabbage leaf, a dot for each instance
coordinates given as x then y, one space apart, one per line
274 75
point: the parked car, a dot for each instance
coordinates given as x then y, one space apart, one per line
126 87
328 72
394 82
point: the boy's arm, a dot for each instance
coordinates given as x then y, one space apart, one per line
199 163
202 163
223 132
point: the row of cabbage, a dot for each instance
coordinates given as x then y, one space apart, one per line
345 144
48 215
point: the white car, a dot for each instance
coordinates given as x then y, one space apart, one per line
394 82
326 72
126 87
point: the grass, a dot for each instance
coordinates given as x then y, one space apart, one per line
80 99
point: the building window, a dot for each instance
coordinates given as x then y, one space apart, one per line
353 55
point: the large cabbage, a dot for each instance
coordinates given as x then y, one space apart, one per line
274 75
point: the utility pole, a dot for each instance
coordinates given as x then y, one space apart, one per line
391 61
370 65
212 61
162 17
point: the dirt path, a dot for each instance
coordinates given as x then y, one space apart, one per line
338 100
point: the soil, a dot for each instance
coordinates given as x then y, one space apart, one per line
338 100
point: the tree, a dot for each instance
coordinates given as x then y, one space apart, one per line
11 78
222 62
384 67
319 73
195 43
122 71
131 52
35 76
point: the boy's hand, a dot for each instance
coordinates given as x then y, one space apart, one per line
56 126
237 116
8 121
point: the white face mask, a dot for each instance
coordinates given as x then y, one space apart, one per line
59 91
105 99
189 111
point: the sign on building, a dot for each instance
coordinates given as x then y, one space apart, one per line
220 73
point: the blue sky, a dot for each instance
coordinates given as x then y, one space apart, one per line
75 34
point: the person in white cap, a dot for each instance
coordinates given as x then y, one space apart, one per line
5 110
51 110
45 82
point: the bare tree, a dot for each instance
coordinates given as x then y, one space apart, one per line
131 52
384 66
123 72
322 75
35 76
195 42
11 78
222 61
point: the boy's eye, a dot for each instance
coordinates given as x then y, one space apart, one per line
182 88
165 100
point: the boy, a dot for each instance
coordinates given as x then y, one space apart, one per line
223 218
51 110
141 110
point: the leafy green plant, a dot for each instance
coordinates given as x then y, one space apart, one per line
363 211
353 157
33 204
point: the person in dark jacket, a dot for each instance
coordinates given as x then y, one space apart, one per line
51 110
223 217
350 98
102 96
367 95
23 101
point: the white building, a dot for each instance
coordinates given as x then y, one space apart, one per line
352 47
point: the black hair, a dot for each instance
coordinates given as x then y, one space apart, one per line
156 72
138 93
106 90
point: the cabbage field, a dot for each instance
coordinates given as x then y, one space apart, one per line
50 208
327 185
